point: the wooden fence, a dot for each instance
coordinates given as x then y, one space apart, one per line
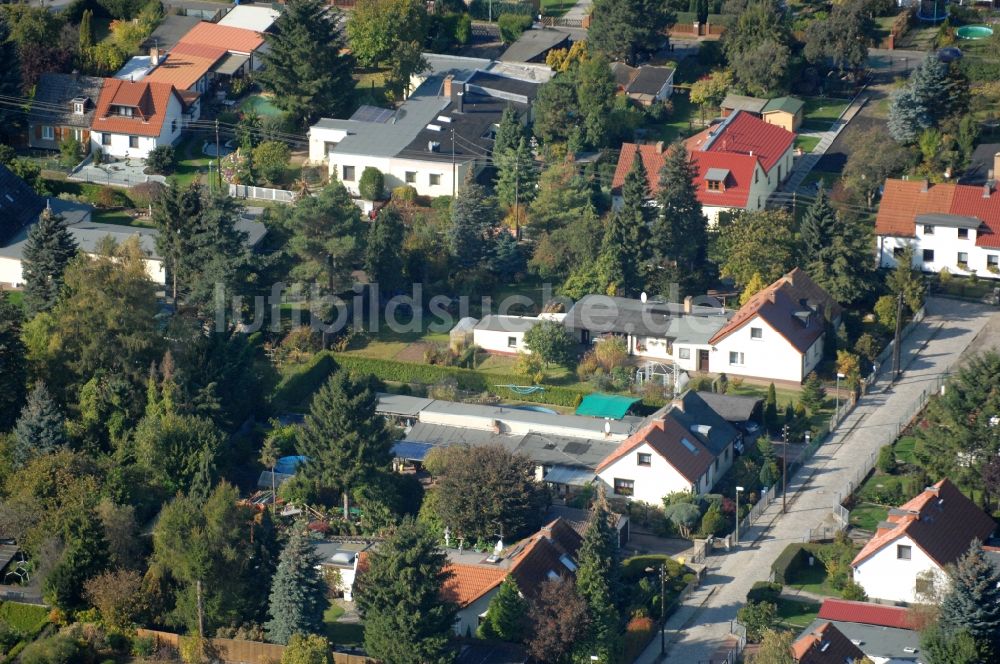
232 651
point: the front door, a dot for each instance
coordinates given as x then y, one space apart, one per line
702 360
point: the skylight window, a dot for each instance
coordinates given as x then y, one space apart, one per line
568 562
689 445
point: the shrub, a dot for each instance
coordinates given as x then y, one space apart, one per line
404 193
372 184
854 591
757 617
634 568
24 618
161 160
684 517
271 158
295 389
637 635
713 523
70 152
764 591
512 26
789 562
886 460
59 649
463 29
145 194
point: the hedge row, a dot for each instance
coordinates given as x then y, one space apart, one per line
295 389
688 18
792 560
466 379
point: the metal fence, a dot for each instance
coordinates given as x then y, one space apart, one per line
261 193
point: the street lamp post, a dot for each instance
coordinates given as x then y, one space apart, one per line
663 605
837 398
738 490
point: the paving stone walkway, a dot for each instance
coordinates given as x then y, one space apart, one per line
703 621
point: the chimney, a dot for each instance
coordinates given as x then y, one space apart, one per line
458 96
987 190
659 148
447 85
771 295
154 55
923 186
996 166
687 304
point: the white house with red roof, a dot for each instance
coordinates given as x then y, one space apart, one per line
953 226
906 558
740 161
133 118
779 333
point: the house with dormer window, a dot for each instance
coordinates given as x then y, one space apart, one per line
63 108
741 161
133 118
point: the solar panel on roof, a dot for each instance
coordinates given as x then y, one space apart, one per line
374 114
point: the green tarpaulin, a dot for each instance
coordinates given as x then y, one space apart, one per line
605 405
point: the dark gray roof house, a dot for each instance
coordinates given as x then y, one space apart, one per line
63 106
534 45
19 205
983 165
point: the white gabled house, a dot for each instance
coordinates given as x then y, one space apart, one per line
133 118
912 547
504 335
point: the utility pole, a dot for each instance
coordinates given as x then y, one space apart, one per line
896 339
218 155
784 467
454 177
517 182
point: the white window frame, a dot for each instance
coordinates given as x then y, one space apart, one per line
904 548
511 342
48 133
757 333
410 177
343 173
434 179
684 353
736 358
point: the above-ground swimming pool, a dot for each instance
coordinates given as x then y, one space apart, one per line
534 409
974 32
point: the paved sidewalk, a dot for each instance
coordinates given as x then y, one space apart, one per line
703 622
804 164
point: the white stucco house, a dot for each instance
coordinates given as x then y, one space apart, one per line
950 226
906 558
686 446
504 335
345 559
444 130
133 118
741 161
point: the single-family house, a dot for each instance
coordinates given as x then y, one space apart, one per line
534 45
779 333
133 118
733 103
476 577
953 226
462 68
685 446
440 134
740 162
504 335
257 18
169 32
63 108
984 165
785 112
907 556
344 558
825 645
245 47
743 411
645 84
885 634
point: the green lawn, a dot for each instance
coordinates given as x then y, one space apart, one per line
15 297
821 112
806 143
867 516
679 124
370 87
796 615
556 7
814 580
341 634
120 217
191 162
904 450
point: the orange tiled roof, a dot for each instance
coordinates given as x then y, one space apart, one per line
664 436
182 69
148 99
467 583
234 40
777 305
941 521
904 200
825 645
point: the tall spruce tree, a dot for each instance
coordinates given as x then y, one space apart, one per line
13 364
517 177
48 251
306 70
597 582
346 441
681 230
298 592
86 31
384 251
818 226
399 598
40 429
474 221
510 131
638 216
973 600
506 615
84 557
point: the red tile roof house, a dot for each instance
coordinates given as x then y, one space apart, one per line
884 633
740 161
954 226
913 545
475 577
779 333
825 645
133 118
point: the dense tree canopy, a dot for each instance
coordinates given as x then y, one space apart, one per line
625 29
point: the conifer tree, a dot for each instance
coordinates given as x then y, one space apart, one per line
506 614
517 178
48 251
681 234
84 557
813 393
771 409
597 581
399 598
86 31
474 220
13 365
973 600
818 225
509 132
40 429
298 597
346 441
754 286
384 251
508 260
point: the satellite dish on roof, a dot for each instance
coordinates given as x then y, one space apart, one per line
643 297
499 547
607 426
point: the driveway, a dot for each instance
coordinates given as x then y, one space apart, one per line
702 623
115 174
